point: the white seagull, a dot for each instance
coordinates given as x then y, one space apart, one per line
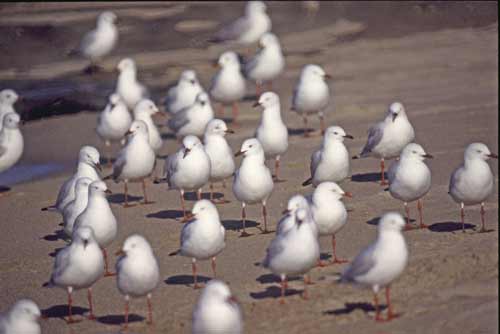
288 220
331 161
217 311
21 318
387 138
473 182
410 179
8 98
220 154
379 264
253 182
138 272
184 93
192 120
272 133
144 111
311 95
76 206
11 141
202 238
130 90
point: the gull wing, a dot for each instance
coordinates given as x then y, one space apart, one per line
361 265
375 134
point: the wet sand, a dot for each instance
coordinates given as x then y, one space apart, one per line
447 77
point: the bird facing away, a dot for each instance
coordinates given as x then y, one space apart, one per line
138 273
11 141
379 264
130 90
192 120
76 207
410 179
184 93
21 318
473 182
8 98
387 138
217 311
288 220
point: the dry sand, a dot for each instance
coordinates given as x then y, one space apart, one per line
448 81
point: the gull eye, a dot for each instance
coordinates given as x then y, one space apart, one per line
250 146
335 133
479 151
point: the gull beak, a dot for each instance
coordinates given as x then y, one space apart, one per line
109 192
394 117
215 64
348 194
186 152
229 131
327 76
85 243
493 155
232 300
285 212
189 216
240 152
120 253
128 133
98 166
256 104
428 156
349 136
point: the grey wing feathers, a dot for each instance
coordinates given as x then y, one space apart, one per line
2 150
375 135
363 263
315 159
274 248
233 30
178 120
170 167
118 166
87 40
61 263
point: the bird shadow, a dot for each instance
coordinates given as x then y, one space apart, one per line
193 197
120 198
166 214
270 278
450 227
185 280
273 292
168 136
216 196
250 97
350 307
367 177
61 311
4 189
236 225
117 319
325 256
55 236
298 132
376 220
105 161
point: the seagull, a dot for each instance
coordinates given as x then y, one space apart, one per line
192 120
410 179
329 213
8 98
253 182
228 85
379 264
88 164
98 216
184 93
473 182
311 94
137 271
217 311
331 161
11 142
188 168
21 318
113 122
203 237
78 266
272 133
267 64
294 252
387 138
136 161
144 111
76 206
248 29
101 41
288 221
130 90
220 154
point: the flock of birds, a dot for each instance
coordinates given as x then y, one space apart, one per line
205 158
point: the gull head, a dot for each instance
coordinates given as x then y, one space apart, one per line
99 188
336 133
415 151
145 106
25 310
90 155
138 127
300 217
268 100
11 120
82 184
83 235
190 143
107 18
135 244
204 208
8 96
478 151
202 99
396 109
114 99
268 39
250 147
312 71
189 76
331 188
255 7
294 203
217 127
391 221
228 58
219 291
126 64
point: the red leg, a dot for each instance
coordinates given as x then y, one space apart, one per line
377 308
264 215
383 182
125 326
150 310
258 89
243 221
214 267
322 122
235 113
408 224
462 216
146 201
195 276
334 253
307 280
198 194
283 289
420 207
183 204
70 305
107 273
304 119
483 229
211 192
91 309
390 314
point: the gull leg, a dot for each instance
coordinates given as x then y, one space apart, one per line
107 144
211 192
107 273
264 216
235 113
146 201
125 326
334 253
408 224
150 310
462 216
383 182
243 220
322 122
390 314
198 194
195 276
183 204
420 207
377 308
283 289
70 319
304 119
305 295
91 309
214 267
258 89
277 169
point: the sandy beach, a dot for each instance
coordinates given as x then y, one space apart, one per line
445 71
